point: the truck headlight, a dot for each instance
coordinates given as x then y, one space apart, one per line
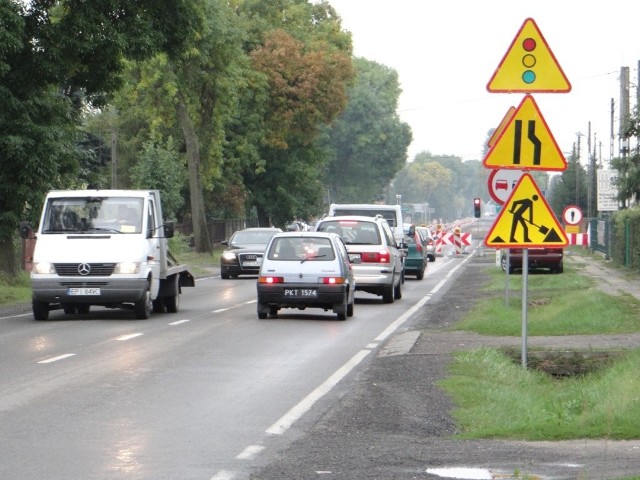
43 267
128 268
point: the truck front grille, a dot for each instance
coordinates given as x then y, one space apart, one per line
84 269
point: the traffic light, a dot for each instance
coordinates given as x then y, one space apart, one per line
476 207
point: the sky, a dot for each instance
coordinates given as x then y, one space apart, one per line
445 53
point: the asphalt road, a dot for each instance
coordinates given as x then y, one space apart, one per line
208 393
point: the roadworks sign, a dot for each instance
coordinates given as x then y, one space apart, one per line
526 220
526 142
529 65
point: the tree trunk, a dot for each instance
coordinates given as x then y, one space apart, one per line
8 257
263 217
200 232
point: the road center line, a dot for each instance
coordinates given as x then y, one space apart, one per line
124 338
59 357
179 322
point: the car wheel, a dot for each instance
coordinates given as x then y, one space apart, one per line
350 308
342 309
273 311
558 268
225 276
263 311
144 306
397 291
420 274
387 294
40 310
503 264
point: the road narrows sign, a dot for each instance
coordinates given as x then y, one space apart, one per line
526 142
529 65
526 220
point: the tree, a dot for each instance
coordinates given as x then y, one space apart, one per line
57 57
368 137
569 188
305 58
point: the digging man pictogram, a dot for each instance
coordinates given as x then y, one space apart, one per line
519 209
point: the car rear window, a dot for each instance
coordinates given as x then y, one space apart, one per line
301 248
353 232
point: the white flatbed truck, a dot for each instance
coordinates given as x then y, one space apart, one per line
106 248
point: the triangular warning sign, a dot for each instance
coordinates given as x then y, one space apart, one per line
526 143
503 124
529 65
526 220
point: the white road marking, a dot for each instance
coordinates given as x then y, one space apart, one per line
221 310
179 322
223 475
59 357
306 403
463 473
250 452
124 338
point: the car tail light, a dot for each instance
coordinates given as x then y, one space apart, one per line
375 257
332 280
270 279
418 245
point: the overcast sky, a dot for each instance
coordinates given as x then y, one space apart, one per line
445 53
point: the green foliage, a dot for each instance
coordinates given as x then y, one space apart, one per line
567 304
161 167
496 398
15 289
367 137
625 247
568 188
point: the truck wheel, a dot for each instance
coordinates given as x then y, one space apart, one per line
159 306
143 306
84 309
173 302
69 309
40 310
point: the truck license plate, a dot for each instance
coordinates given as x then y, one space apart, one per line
300 292
83 291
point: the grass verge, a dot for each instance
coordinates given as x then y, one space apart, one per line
566 304
496 398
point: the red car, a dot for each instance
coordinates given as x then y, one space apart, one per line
546 257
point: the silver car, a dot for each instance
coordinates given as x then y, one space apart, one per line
306 270
377 259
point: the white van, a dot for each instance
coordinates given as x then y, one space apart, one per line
391 213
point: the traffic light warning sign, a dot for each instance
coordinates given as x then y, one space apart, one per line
526 220
529 65
526 142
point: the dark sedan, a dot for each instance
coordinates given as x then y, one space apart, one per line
244 252
538 258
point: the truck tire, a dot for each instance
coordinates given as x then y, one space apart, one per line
144 306
173 302
40 310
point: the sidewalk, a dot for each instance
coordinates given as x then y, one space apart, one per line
612 280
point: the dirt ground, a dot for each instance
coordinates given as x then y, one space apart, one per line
396 423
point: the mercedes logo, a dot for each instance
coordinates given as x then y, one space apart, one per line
84 269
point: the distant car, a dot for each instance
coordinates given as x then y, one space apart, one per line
538 258
415 263
378 261
502 185
430 242
244 251
306 270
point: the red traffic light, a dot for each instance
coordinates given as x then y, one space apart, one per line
476 208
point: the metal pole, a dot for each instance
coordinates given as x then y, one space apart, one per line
525 281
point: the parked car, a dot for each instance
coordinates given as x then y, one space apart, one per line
306 270
430 242
415 263
244 251
538 258
377 259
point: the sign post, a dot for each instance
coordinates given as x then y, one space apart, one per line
524 142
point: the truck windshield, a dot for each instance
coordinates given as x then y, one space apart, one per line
93 214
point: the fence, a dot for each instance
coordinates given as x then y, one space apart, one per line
618 238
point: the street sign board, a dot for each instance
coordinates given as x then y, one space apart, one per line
526 142
503 123
526 220
572 215
529 65
502 182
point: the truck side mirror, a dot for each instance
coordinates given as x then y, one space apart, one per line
168 229
25 230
